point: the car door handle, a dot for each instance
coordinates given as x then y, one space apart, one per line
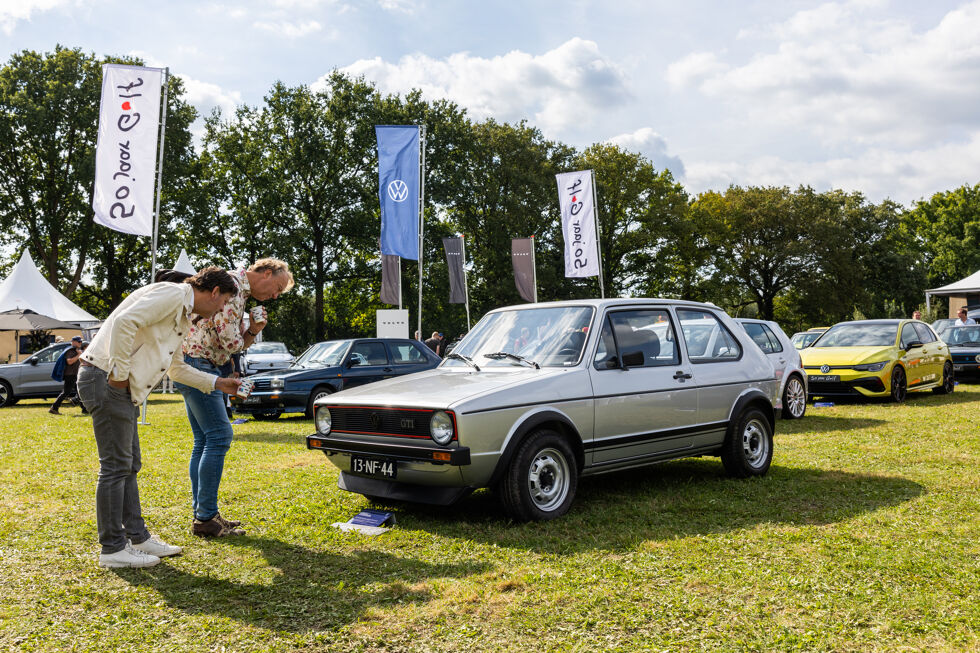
388 369
681 374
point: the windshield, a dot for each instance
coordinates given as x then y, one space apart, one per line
859 335
268 348
550 337
962 335
323 354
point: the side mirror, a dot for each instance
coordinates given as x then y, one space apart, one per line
912 345
352 362
32 361
633 359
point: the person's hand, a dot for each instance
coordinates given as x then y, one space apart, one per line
122 385
260 321
227 385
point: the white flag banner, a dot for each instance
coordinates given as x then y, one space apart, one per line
126 151
577 203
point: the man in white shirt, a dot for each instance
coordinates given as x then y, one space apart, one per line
963 319
139 343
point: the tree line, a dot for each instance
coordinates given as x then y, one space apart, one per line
296 177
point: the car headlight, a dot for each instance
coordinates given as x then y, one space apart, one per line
323 420
441 427
977 358
871 367
277 383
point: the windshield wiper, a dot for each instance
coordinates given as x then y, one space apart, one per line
497 355
465 359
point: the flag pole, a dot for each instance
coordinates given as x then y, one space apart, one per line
421 216
156 211
466 284
534 271
598 239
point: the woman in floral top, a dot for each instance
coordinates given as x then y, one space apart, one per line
209 345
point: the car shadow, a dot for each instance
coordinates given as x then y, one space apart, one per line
660 503
308 590
825 423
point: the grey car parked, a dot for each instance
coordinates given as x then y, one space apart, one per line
31 378
786 361
538 395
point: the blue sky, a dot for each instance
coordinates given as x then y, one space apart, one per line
868 95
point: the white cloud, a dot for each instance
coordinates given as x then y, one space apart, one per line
565 87
845 74
876 172
653 146
13 11
205 96
289 29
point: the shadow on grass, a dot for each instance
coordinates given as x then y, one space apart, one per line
824 423
659 503
313 590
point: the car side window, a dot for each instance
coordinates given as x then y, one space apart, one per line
707 339
777 344
371 353
925 333
648 332
758 334
908 335
405 353
50 356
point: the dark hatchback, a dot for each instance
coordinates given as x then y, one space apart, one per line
964 347
330 366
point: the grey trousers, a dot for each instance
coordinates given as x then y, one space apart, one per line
117 498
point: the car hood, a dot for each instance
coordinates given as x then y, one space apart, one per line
846 355
441 387
301 374
268 357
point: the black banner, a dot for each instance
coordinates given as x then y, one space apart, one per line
390 269
522 256
457 278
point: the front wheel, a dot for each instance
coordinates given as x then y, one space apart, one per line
948 381
542 478
6 395
794 398
748 446
318 393
900 388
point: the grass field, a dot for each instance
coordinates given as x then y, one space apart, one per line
865 536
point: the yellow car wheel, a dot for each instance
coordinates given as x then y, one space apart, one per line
899 385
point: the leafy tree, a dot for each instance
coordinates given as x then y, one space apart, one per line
947 229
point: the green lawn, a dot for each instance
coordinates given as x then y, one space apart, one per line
865 535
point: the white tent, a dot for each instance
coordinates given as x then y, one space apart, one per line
183 263
27 288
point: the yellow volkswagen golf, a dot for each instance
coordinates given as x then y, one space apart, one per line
878 358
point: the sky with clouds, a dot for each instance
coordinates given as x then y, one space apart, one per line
877 96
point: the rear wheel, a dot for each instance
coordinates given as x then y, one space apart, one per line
900 388
318 393
542 478
6 395
794 398
748 446
948 381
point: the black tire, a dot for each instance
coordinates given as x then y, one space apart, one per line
747 450
948 380
6 395
794 398
541 480
267 416
318 392
899 384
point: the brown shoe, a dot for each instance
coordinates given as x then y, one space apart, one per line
214 528
228 523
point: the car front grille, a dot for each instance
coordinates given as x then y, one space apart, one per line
964 359
262 385
368 420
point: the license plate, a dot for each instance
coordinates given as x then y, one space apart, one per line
959 368
824 378
251 400
373 467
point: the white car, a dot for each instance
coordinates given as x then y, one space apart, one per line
265 356
786 362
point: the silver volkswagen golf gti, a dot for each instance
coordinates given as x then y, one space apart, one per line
538 395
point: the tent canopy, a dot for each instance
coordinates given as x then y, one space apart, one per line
26 288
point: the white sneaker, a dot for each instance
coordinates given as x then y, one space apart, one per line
157 547
128 557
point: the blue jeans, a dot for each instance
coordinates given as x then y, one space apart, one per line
212 439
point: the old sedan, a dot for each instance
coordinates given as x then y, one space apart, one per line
538 395
327 367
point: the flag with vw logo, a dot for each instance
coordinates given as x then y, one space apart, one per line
398 174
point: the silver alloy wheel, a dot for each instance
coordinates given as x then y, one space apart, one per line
4 394
755 443
548 479
795 397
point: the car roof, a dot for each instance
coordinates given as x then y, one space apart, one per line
610 302
890 321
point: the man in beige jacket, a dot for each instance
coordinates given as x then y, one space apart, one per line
139 343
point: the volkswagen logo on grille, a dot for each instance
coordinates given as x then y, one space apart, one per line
376 420
823 368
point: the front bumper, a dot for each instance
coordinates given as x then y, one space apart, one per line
851 385
264 402
400 452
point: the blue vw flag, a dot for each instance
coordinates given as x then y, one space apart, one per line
398 175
